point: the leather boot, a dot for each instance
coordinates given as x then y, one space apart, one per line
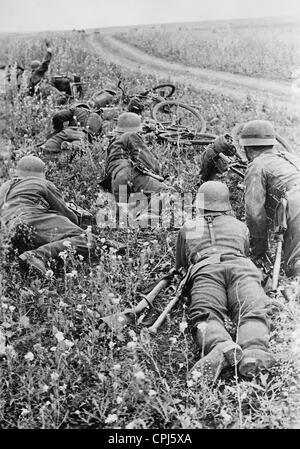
223 355
254 360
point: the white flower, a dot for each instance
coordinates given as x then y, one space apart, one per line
152 393
117 366
83 296
227 418
119 400
103 240
101 377
173 340
63 255
190 383
67 243
29 356
111 418
69 343
111 345
121 319
49 274
80 257
45 388
4 305
131 345
140 375
79 307
11 308
182 326
54 376
132 334
59 336
25 411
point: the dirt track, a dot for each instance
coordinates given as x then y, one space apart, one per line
225 83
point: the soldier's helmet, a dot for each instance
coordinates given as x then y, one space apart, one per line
129 122
215 196
258 133
35 64
30 166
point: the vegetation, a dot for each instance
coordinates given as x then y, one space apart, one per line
64 369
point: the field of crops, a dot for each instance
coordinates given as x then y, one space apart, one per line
271 51
64 369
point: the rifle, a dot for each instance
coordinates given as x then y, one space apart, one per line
280 222
119 320
84 216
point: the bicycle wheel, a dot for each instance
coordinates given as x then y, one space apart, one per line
179 115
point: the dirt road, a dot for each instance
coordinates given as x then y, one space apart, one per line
225 83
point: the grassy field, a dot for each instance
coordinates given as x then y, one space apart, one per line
64 369
267 50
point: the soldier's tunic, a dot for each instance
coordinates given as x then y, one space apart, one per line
82 123
270 176
127 155
38 74
37 203
225 282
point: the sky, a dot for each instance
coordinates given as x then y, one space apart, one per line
42 15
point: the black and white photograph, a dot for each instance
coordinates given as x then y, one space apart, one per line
149 218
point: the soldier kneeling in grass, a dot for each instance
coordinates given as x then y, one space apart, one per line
83 125
29 199
223 282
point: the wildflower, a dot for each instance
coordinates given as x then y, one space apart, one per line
4 305
72 274
83 296
173 340
131 345
80 257
121 319
79 308
67 243
182 326
152 393
227 418
112 417
102 240
49 274
63 304
117 366
111 345
59 336
45 388
25 411
53 348
190 383
69 343
101 377
140 375
63 255
12 308
54 376
119 400
29 356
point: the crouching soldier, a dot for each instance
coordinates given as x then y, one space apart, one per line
83 124
29 199
223 282
272 179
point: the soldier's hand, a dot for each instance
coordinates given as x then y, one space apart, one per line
224 144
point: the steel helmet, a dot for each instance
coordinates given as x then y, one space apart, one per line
81 105
215 196
129 122
35 64
30 166
258 133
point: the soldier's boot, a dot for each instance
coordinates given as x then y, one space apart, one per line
253 337
30 260
255 360
223 355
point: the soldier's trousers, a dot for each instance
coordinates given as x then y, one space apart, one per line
291 245
71 134
50 231
231 288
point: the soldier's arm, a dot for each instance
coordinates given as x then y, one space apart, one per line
140 153
256 217
57 203
60 117
181 259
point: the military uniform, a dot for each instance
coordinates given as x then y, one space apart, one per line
268 178
37 203
38 74
82 125
226 282
127 156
